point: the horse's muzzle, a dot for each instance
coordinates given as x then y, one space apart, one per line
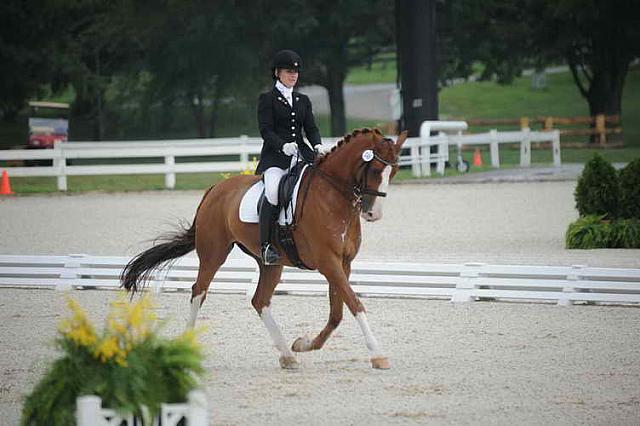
371 215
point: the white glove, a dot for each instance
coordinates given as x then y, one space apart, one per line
321 149
290 148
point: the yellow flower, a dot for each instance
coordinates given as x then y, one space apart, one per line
107 349
190 337
77 328
131 322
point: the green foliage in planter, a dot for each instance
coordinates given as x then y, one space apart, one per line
626 233
630 190
592 232
129 366
589 232
598 192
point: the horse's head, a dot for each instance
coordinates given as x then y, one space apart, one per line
378 165
367 161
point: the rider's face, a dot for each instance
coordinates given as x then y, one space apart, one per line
288 77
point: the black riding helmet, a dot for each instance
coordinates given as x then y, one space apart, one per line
287 59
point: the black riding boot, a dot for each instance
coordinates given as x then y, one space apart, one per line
268 214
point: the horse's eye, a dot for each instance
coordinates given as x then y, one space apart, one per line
377 172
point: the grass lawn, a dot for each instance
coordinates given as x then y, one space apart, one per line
114 183
561 98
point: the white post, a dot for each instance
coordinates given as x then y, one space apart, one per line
197 402
443 143
555 145
60 165
244 152
87 410
415 159
425 160
495 152
525 148
467 282
170 173
443 153
425 146
572 280
69 276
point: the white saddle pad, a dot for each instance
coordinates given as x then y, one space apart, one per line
249 204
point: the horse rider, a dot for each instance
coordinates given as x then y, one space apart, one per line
283 115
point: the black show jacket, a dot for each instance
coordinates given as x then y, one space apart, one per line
281 123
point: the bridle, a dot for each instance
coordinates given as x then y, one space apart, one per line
355 192
361 188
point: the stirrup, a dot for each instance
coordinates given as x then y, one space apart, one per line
269 255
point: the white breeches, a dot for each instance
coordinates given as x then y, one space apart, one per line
272 178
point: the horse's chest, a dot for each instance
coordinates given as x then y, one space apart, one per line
353 240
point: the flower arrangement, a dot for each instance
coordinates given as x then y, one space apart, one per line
128 365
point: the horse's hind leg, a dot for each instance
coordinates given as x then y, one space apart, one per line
211 259
261 301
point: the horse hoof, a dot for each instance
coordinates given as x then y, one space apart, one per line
381 363
289 363
301 344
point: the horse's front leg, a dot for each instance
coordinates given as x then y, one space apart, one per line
304 344
338 279
261 301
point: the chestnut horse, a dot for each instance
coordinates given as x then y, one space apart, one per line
348 182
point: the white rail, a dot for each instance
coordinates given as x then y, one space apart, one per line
456 282
242 150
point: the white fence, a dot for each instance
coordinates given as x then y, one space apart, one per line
419 155
89 412
450 133
455 282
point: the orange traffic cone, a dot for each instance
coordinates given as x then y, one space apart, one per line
477 158
5 186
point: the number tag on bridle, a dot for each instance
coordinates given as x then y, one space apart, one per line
367 155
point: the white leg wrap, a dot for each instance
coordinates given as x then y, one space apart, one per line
196 302
371 342
274 332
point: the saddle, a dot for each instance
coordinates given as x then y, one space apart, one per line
284 233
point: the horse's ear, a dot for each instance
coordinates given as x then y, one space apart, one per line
401 139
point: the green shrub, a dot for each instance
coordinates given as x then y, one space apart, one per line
598 191
589 232
592 232
630 190
626 233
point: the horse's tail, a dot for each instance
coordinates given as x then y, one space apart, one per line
139 269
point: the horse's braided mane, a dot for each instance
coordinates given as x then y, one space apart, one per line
346 139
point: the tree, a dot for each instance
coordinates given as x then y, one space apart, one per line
333 36
27 31
197 54
598 39
417 62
